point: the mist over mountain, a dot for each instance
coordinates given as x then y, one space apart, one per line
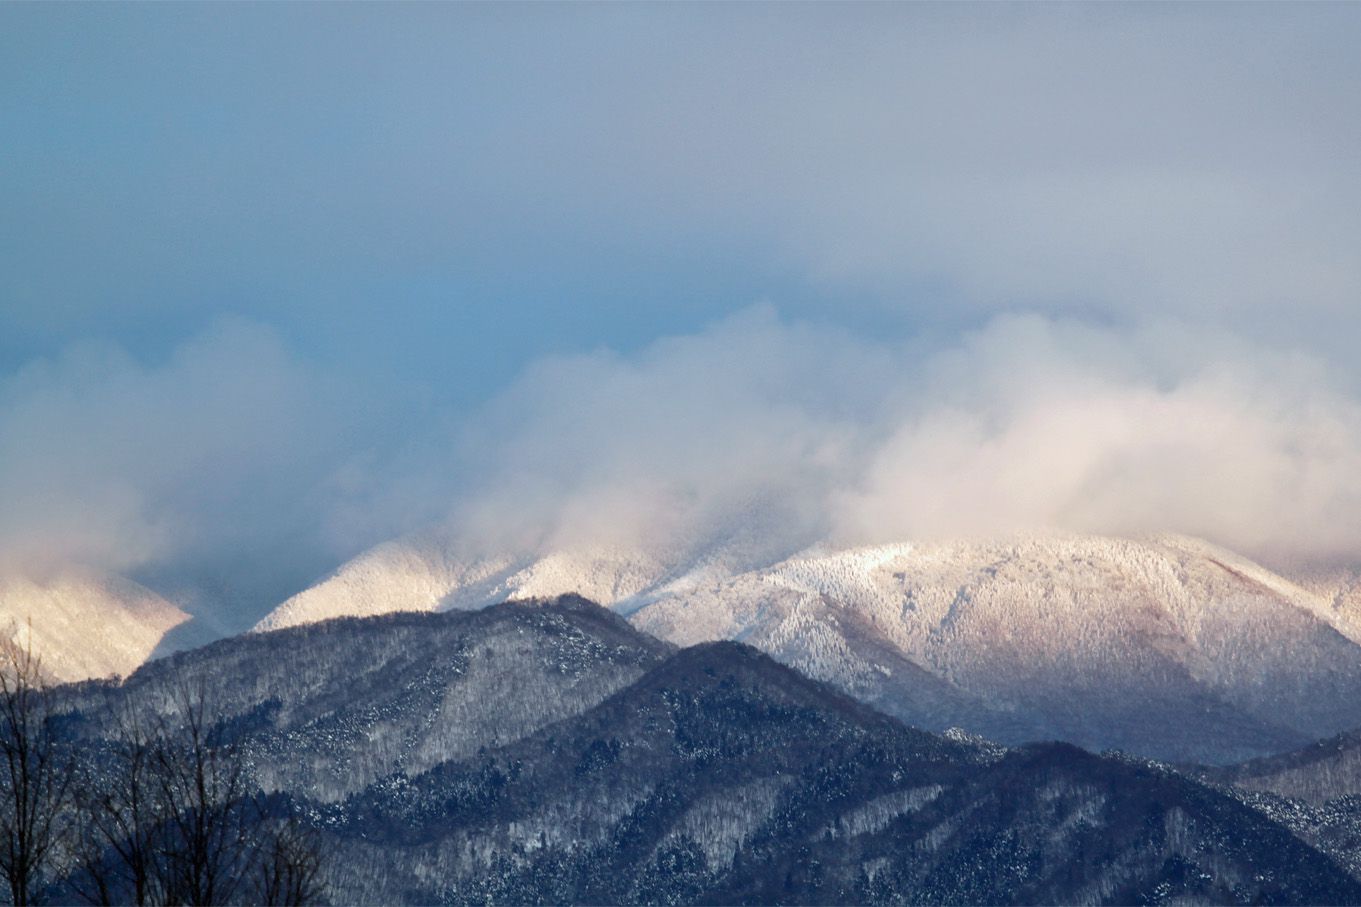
912 273
787 431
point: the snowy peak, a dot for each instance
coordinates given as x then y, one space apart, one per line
1164 645
423 574
431 572
416 574
85 624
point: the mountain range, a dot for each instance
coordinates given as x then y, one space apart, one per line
1164 646
550 752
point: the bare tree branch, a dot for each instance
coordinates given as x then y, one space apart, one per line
171 817
35 775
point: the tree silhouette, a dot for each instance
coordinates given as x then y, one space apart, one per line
170 817
36 773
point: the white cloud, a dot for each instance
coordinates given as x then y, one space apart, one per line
1027 423
227 447
688 434
238 461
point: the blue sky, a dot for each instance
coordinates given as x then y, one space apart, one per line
440 191
363 234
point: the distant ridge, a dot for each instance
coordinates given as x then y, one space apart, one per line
1164 645
85 624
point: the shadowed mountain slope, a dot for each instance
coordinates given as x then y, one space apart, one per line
328 708
550 753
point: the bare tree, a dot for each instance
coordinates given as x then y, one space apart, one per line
36 774
290 868
172 818
122 818
201 781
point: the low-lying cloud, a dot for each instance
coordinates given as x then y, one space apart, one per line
239 461
227 456
1027 423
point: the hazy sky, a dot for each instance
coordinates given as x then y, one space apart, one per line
278 281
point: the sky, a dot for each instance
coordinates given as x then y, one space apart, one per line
281 281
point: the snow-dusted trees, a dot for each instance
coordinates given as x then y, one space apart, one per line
169 816
35 776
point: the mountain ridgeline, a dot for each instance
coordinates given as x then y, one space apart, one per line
1164 646
550 752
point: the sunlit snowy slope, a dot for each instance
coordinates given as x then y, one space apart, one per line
1166 646
85 624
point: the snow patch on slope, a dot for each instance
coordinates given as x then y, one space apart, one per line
84 624
1338 587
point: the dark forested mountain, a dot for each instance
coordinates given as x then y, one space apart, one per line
1316 791
330 708
551 753
1323 771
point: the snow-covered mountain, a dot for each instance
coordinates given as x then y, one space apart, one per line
1166 646
85 624
424 573
1340 587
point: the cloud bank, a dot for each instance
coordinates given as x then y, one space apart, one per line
239 461
452 196
1027 423
228 457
